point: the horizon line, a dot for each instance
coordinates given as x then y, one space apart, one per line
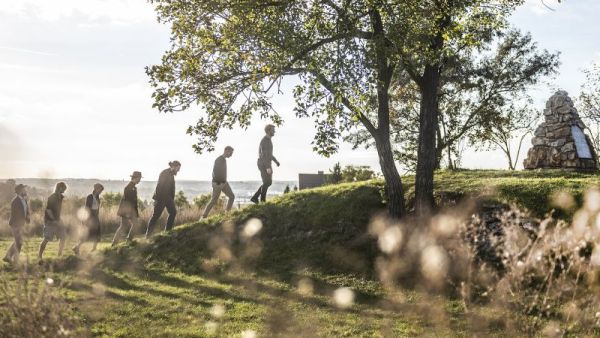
123 180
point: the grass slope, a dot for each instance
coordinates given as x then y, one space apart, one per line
205 279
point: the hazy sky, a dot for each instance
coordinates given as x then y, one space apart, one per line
75 101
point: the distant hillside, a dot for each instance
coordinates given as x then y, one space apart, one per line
81 187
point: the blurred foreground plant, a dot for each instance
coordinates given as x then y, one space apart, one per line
32 307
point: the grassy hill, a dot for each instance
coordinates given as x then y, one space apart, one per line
302 264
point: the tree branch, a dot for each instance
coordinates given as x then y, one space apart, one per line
329 86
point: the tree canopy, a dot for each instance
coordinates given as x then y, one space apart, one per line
228 57
483 96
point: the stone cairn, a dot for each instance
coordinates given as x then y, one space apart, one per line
559 142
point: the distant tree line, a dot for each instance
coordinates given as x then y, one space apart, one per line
350 173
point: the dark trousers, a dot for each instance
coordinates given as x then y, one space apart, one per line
159 207
267 180
15 247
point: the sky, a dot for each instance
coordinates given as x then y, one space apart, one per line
75 101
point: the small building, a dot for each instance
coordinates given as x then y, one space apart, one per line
307 181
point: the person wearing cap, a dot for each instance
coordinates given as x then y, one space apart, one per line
92 219
128 209
164 197
265 157
53 227
19 216
219 182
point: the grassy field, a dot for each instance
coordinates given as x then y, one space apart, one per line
153 299
309 268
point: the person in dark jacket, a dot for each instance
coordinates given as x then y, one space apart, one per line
265 157
164 197
128 209
53 227
219 182
19 216
92 219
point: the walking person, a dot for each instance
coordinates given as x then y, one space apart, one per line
19 216
265 157
128 209
219 182
92 222
53 227
164 197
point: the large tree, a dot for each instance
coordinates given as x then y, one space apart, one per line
226 56
436 34
479 99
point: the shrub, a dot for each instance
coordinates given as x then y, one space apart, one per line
353 173
201 201
31 307
110 199
335 174
180 200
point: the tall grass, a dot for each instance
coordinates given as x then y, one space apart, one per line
538 275
71 217
31 306
544 274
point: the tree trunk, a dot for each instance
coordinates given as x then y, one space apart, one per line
450 164
426 154
438 150
510 161
385 71
393 182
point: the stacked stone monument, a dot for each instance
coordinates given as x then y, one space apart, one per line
559 142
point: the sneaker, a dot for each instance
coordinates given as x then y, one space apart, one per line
254 200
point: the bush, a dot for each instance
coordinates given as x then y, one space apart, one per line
202 200
110 199
180 200
335 174
31 307
353 173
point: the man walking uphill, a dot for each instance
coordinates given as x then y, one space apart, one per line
53 227
219 182
19 216
164 197
265 157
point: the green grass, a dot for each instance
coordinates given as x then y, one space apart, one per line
171 285
531 190
154 299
